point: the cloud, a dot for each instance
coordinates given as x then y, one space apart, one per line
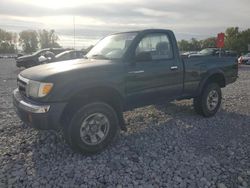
193 18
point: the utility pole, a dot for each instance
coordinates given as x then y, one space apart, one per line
74 32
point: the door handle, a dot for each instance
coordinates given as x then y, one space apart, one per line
174 67
136 72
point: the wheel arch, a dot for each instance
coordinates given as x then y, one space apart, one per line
215 76
105 94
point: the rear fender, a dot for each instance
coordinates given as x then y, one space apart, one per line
214 75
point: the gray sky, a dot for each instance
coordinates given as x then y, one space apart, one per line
96 18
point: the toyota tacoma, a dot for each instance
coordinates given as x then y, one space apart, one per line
86 98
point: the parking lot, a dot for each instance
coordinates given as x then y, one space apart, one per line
168 145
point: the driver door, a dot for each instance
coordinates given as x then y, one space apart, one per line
154 75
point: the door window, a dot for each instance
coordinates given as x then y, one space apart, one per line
74 55
157 45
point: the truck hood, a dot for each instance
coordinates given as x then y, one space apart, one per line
43 72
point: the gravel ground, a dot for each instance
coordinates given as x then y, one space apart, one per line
165 146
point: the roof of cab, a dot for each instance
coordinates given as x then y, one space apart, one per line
145 31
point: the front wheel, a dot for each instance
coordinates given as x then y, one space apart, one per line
92 128
208 103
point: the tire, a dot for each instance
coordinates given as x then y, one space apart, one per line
92 128
208 103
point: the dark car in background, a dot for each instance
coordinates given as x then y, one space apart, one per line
64 56
32 60
231 53
188 53
70 54
214 52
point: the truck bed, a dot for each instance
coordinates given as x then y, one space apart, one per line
196 69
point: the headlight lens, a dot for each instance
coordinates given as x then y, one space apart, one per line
38 89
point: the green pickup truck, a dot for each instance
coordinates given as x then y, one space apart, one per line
86 98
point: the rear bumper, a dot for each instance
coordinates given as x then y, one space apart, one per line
39 116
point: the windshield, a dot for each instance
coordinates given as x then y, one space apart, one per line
112 47
61 54
38 52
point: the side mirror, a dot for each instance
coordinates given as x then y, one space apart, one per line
143 56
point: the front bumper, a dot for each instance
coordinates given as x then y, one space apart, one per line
21 63
26 63
37 115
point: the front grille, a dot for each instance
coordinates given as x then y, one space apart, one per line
21 86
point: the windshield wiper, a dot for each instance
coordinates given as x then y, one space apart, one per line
99 56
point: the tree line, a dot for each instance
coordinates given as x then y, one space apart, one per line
235 40
32 40
29 40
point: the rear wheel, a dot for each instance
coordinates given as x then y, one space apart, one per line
208 103
92 128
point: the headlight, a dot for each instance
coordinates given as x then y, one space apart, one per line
38 89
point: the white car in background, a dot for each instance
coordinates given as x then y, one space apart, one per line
245 59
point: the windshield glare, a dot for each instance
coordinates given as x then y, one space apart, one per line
112 47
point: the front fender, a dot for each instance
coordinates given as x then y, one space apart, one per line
65 92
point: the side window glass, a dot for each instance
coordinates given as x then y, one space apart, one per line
64 57
80 55
68 56
157 45
73 55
